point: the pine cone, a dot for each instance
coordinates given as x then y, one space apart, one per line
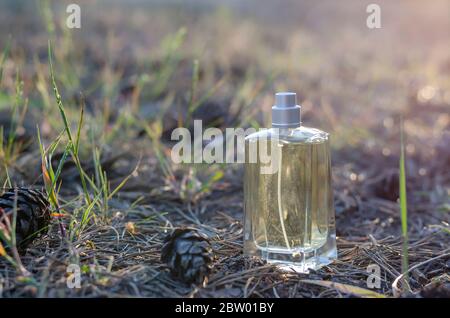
33 212
188 254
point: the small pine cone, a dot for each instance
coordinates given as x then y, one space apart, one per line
33 212
188 254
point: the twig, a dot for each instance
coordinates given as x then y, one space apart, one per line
396 291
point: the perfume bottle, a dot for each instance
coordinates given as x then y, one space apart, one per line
289 210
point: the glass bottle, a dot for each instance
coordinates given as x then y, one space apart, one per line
289 210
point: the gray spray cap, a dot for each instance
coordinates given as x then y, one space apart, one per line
286 112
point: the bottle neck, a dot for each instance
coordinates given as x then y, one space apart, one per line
286 131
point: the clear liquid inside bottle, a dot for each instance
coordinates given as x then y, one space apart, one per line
289 215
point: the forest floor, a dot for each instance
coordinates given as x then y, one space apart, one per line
140 72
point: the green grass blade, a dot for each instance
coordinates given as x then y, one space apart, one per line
80 124
48 181
57 95
403 201
125 180
72 145
4 55
61 164
194 84
14 117
171 46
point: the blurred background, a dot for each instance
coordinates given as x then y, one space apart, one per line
343 71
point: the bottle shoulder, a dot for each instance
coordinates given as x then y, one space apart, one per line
301 134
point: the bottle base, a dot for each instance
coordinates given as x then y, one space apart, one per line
302 263
296 260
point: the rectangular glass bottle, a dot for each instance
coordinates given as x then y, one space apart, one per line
289 212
